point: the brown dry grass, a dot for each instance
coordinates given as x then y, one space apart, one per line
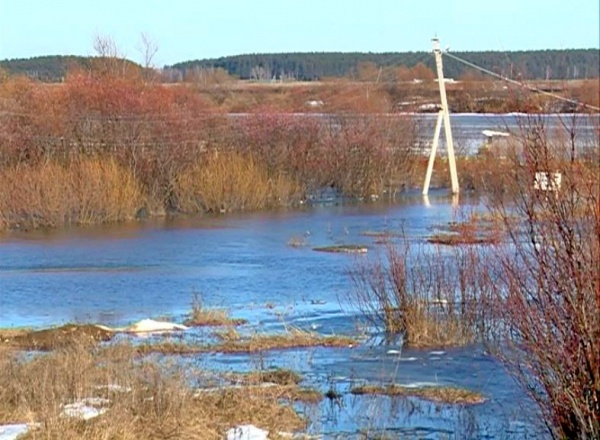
54 194
154 402
231 342
231 181
280 376
439 394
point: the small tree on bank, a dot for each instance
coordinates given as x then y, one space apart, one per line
550 284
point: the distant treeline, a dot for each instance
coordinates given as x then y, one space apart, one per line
53 68
541 64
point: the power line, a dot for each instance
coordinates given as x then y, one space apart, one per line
519 83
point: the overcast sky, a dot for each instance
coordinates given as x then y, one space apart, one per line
187 29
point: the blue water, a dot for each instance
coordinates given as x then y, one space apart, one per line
116 275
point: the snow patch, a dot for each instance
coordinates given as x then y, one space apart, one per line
146 326
247 432
86 409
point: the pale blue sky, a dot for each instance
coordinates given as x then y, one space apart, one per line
186 29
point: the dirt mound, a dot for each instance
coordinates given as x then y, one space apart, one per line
59 337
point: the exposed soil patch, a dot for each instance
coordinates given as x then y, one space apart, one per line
58 337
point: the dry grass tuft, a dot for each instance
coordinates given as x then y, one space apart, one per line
294 338
279 376
54 194
431 300
441 394
230 181
205 317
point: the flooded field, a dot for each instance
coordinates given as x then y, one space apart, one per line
263 268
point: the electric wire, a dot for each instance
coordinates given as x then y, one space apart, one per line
519 83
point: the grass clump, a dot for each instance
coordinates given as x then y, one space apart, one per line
79 192
232 181
431 300
204 317
294 338
279 376
438 394
476 229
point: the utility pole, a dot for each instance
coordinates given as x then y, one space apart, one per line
443 117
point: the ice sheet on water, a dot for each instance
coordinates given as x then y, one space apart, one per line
14 431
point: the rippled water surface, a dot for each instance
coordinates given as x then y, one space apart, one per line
116 275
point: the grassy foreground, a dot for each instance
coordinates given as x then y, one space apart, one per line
138 399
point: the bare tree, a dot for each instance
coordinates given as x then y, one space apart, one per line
148 48
108 58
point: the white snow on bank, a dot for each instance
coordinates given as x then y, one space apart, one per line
14 431
113 388
86 409
146 326
247 432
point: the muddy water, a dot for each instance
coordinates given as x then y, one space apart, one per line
116 275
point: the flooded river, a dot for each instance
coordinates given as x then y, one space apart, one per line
115 275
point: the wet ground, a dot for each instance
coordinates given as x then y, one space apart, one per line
120 274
